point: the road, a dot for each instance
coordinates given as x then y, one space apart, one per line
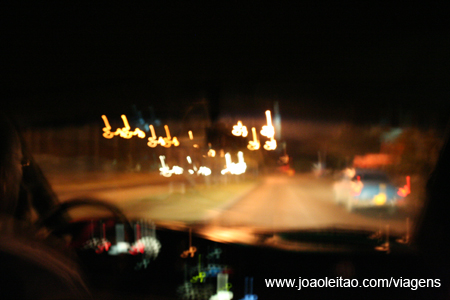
151 196
300 202
277 202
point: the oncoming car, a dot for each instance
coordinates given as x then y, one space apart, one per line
366 188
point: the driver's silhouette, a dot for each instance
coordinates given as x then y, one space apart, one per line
30 267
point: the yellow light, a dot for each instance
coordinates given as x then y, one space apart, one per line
271 144
233 168
152 129
161 141
166 128
166 171
107 129
152 142
125 121
204 171
380 199
228 159
268 130
126 129
254 145
168 141
239 130
269 118
177 170
191 136
211 153
201 171
122 132
240 157
140 133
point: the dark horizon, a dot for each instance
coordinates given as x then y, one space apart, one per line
359 62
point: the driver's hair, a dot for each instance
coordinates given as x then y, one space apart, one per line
32 267
24 193
9 179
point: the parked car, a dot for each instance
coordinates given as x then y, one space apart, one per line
365 188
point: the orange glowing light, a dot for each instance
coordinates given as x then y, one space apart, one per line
125 122
212 153
406 189
107 129
254 145
190 252
269 132
166 142
162 141
122 132
191 136
166 128
192 249
270 144
169 141
152 142
239 130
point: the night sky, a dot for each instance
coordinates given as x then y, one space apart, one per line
321 60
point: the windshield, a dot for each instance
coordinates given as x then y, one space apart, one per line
198 120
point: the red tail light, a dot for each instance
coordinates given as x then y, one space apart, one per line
406 189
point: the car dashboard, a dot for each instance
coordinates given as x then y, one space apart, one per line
188 264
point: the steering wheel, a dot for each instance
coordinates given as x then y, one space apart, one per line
49 220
